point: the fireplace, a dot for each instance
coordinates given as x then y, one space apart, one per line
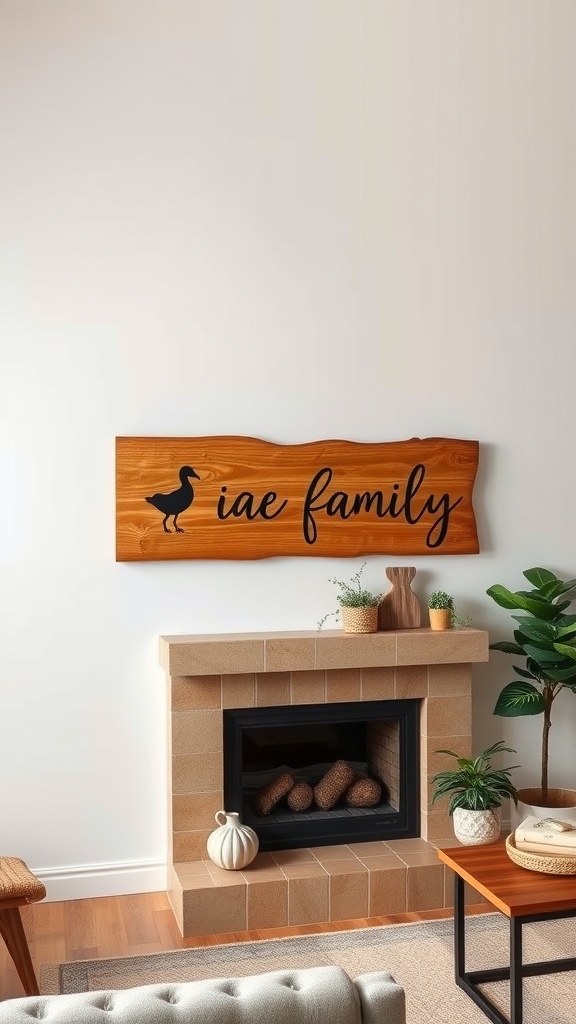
266 681
376 739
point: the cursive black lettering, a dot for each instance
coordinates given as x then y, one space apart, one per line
368 499
246 504
221 504
320 481
269 498
441 524
413 485
337 505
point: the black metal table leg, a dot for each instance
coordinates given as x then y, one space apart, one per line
515 970
465 980
515 973
459 929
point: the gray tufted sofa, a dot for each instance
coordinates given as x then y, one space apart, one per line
318 995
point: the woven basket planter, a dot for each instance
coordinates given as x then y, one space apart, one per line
360 620
552 864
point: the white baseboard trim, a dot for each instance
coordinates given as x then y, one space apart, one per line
83 881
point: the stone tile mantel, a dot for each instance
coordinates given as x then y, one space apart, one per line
231 653
208 673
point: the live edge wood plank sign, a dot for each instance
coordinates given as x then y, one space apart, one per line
241 497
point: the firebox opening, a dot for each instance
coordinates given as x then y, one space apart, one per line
377 740
300 745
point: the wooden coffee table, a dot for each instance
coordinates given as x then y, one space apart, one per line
523 896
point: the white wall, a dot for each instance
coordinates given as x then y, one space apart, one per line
292 219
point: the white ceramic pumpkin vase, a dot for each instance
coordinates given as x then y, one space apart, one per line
232 846
476 828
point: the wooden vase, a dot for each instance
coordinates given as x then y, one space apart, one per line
400 608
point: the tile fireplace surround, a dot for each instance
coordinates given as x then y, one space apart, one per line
207 673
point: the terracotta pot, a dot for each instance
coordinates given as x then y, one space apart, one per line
476 828
440 618
360 620
561 804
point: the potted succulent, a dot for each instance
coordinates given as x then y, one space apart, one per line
442 612
357 606
476 790
545 638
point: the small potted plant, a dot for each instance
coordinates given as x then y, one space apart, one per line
440 609
358 607
442 612
476 791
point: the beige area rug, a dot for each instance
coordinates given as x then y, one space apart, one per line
420 956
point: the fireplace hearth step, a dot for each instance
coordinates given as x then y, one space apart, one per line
312 886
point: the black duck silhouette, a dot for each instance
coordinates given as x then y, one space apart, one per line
177 501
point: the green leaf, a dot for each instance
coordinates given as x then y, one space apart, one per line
502 596
560 675
542 657
552 589
566 650
536 605
535 629
518 699
527 601
507 647
566 632
498 748
524 672
538 577
568 585
562 605
535 668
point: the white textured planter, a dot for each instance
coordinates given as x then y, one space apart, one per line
232 846
476 828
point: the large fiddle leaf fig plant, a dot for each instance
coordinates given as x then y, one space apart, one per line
546 638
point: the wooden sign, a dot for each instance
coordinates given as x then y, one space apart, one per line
240 497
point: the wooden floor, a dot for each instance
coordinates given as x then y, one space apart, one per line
131 925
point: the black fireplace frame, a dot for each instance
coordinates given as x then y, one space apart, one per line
327 829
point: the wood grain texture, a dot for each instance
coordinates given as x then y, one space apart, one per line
244 498
96 928
400 608
514 890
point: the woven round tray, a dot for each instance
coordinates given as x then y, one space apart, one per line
549 864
